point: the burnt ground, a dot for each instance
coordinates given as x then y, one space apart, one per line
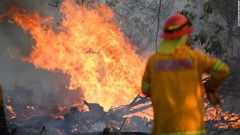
76 122
230 93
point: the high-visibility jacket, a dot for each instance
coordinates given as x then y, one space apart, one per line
174 84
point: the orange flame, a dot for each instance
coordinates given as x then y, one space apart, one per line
12 112
87 46
226 119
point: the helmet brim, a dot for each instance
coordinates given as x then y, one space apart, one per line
177 34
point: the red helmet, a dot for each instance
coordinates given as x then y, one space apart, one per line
177 26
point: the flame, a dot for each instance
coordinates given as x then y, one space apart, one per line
89 47
227 119
12 112
31 108
1 16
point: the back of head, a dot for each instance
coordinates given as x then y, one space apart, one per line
177 26
176 33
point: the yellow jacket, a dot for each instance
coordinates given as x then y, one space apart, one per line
174 84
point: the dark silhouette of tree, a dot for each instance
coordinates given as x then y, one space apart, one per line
157 33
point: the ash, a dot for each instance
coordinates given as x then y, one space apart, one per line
57 120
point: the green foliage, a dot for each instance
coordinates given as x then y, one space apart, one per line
202 36
215 46
188 14
219 28
207 10
210 31
112 3
212 41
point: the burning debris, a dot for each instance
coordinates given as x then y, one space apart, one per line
3 126
89 47
114 121
57 120
95 56
74 121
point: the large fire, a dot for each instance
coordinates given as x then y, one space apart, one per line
89 47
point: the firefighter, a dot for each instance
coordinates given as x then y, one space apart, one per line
3 125
173 81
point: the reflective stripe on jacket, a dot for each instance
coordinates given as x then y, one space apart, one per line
174 84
